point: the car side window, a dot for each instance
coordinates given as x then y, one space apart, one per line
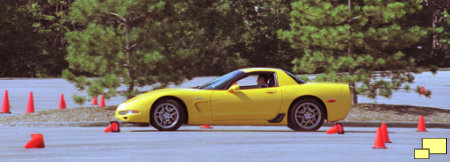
257 80
248 81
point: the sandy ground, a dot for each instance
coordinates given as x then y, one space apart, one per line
359 112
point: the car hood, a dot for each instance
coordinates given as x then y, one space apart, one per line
156 92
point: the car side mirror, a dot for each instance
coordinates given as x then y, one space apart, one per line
233 88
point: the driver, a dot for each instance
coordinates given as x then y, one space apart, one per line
262 81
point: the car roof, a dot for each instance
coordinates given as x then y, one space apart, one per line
259 69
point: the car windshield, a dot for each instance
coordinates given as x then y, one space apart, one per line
221 80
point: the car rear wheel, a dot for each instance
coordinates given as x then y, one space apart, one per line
167 115
306 115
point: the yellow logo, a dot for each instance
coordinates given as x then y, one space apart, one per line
431 146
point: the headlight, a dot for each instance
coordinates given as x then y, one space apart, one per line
122 106
129 112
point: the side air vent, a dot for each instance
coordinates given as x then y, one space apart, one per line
278 118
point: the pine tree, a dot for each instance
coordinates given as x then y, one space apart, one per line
50 26
439 21
129 43
19 47
215 29
349 41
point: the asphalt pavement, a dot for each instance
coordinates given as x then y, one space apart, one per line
222 143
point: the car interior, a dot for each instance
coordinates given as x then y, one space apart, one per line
250 81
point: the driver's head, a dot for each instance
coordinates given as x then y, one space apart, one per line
262 79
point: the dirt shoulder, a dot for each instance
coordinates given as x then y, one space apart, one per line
359 112
389 113
81 114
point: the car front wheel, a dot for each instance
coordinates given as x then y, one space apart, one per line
306 115
167 115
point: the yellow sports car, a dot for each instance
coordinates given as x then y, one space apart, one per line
251 96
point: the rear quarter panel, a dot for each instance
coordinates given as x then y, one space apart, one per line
337 110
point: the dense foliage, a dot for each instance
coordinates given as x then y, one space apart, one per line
358 38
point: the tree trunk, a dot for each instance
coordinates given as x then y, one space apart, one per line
350 53
351 71
129 68
432 8
435 41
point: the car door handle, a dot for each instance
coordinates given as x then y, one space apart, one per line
270 92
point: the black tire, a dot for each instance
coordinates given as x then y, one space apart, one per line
306 115
167 115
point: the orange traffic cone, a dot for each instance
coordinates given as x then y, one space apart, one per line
108 129
206 126
102 101
5 107
337 128
112 127
379 141
385 133
62 102
332 130
30 106
421 125
94 101
37 141
422 90
340 128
